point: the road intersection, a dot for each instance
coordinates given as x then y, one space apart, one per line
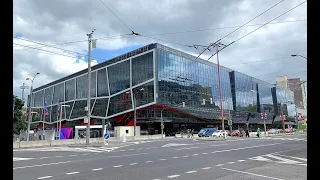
251 158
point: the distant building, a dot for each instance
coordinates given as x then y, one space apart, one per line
282 81
294 85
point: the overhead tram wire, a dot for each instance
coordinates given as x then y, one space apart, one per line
56 48
214 44
261 26
132 32
219 28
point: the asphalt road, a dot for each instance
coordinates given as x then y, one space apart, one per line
264 158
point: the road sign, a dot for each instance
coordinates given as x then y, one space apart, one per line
224 117
106 136
247 123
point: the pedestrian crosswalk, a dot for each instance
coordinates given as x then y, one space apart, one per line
278 158
286 139
74 149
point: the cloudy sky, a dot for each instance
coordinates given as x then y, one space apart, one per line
63 24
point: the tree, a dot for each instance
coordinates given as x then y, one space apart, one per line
19 120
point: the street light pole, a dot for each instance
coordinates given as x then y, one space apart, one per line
30 105
162 125
89 87
134 115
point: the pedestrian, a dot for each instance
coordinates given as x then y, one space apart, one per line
192 131
247 133
258 132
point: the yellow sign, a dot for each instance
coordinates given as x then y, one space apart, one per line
224 117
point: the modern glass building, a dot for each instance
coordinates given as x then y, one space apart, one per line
159 80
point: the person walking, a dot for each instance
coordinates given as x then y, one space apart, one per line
258 132
247 133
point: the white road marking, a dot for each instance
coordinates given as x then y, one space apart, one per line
260 158
241 160
163 159
44 158
252 174
230 163
73 155
98 169
173 176
174 144
117 166
39 165
149 161
204 153
85 154
147 148
250 147
122 150
185 156
186 148
218 144
131 149
21 159
302 164
219 165
175 157
195 154
302 159
190 172
59 156
133 164
44 177
205 168
288 161
72 173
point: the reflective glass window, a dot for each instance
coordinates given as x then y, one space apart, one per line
37 115
100 107
67 110
102 83
119 76
58 94
54 113
82 87
246 94
142 68
48 95
120 103
79 109
47 117
70 90
144 94
38 99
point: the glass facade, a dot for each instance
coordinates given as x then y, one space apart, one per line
192 86
160 79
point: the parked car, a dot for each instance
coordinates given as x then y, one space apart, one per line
219 133
289 130
237 133
228 133
274 131
206 132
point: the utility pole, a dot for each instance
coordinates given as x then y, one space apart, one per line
89 87
23 87
220 88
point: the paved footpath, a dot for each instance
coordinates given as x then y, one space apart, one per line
254 158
